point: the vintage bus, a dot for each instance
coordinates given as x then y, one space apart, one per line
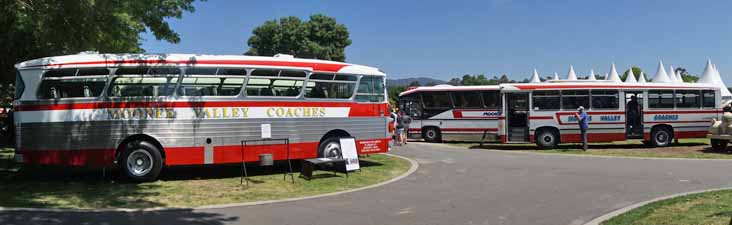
146 111
543 113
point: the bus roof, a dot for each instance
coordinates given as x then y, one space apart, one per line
113 60
562 86
447 87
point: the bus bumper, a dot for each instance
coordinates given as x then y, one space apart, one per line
719 136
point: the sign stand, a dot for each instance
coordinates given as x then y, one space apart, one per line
245 143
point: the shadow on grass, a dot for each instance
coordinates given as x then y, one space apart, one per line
183 217
64 187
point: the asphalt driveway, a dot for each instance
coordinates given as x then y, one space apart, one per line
457 186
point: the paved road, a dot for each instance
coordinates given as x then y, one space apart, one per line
458 186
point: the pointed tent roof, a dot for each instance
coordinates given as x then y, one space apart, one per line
614 77
556 76
642 78
726 94
708 74
661 76
592 75
571 75
679 78
535 77
631 77
672 74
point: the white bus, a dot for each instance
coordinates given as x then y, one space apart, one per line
543 113
146 111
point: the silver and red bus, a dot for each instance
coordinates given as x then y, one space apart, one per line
147 111
543 113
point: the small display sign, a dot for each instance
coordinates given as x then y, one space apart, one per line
350 154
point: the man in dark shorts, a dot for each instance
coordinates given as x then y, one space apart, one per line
582 119
633 115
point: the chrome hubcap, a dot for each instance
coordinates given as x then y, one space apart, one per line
662 137
139 162
333 150
431 134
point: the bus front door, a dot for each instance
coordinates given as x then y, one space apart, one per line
517 117
633 114
412 106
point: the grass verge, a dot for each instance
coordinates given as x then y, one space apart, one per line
182 187
703 208
697 148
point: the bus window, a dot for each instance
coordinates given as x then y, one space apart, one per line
605 99
546 100
210 86
708 98
573 99
333 90
73 83
142 86
467 99
274 87
435 100
71 88
370 89
661 99
687 99
492 99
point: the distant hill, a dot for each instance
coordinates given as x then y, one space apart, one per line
406 81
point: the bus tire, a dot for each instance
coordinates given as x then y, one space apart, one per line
547 139
141 161
719 145
432 134
661 137
330 148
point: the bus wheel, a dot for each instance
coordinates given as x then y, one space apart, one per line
330 148
432 134
661 137
141 161
719 145
547 139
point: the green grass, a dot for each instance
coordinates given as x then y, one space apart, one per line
702 208
182 187
697 148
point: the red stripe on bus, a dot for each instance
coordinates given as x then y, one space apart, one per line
459 129
103 105
684 112
535 87
85 157
326 67
541 118
195 155
686 121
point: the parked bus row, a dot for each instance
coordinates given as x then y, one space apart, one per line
543 113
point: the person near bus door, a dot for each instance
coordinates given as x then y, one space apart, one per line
406 120
582 119
399 127
633 115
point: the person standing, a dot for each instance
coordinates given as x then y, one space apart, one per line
406 120
400 127
582 119
633 115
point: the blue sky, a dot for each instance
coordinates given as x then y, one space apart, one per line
445 39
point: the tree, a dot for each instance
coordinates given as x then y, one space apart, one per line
320 38
393 93
414 83
43 28
686 76
636 71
